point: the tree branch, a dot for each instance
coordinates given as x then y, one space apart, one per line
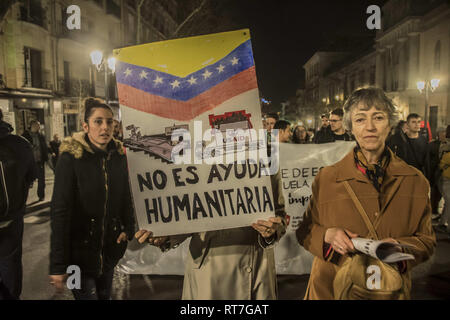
193 13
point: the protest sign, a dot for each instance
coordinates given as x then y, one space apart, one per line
299 164
182 102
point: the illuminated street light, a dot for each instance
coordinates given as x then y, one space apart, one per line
99 62
421 85
96 58
112 64
434 84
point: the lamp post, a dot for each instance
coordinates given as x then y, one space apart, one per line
99 62
427 86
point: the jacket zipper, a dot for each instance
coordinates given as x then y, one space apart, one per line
104 213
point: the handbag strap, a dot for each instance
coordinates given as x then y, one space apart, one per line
361 211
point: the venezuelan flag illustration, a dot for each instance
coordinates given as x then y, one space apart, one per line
183 78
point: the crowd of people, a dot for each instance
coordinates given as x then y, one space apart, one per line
406 139
385 180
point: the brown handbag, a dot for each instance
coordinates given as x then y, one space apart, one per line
361 277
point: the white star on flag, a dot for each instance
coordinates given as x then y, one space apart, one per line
175 84
220 68
206 74
234 61
158 80
128 72
192 80
143 74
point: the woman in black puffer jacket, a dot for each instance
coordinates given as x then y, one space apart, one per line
91 212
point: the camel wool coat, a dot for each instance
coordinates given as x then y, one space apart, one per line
234 264
399 211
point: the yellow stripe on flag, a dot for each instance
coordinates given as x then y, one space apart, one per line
181 57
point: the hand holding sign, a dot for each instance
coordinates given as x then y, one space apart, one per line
144 235
267 228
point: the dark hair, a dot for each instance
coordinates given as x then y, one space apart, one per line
324 115
1 115
91 104
273 115
281 124
398 127
447 132
296 139
370 97
412 116
338 112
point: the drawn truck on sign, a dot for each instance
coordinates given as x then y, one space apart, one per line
159 145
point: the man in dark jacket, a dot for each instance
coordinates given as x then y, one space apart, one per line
418 145
324 134
40 152
17 172
336 129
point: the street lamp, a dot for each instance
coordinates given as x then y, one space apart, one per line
99 62
426 86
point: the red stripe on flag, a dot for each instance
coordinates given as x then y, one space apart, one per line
187 110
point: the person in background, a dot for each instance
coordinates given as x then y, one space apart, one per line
92 214
40 153
300 135
17 173
54 150
311 134
417 154
284 130
324 134
397 141
271 119
435 171
337 127
118 131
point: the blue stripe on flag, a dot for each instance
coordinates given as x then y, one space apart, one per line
186 88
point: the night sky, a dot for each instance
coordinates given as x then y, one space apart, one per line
285 34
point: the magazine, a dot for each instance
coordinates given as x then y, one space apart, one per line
385 251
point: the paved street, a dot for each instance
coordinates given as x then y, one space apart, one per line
431 280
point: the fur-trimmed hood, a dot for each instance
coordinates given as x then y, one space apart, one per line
77 144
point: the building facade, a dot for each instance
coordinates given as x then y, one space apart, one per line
413 45
46 70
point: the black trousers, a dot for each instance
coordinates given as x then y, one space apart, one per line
11 260
95 288
41 179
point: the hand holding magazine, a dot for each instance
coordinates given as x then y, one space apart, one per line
387 252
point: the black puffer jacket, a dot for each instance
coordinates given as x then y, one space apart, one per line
91 206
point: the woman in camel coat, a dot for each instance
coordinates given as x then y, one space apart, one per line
393 194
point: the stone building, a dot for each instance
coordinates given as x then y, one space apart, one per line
413 45
46 70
